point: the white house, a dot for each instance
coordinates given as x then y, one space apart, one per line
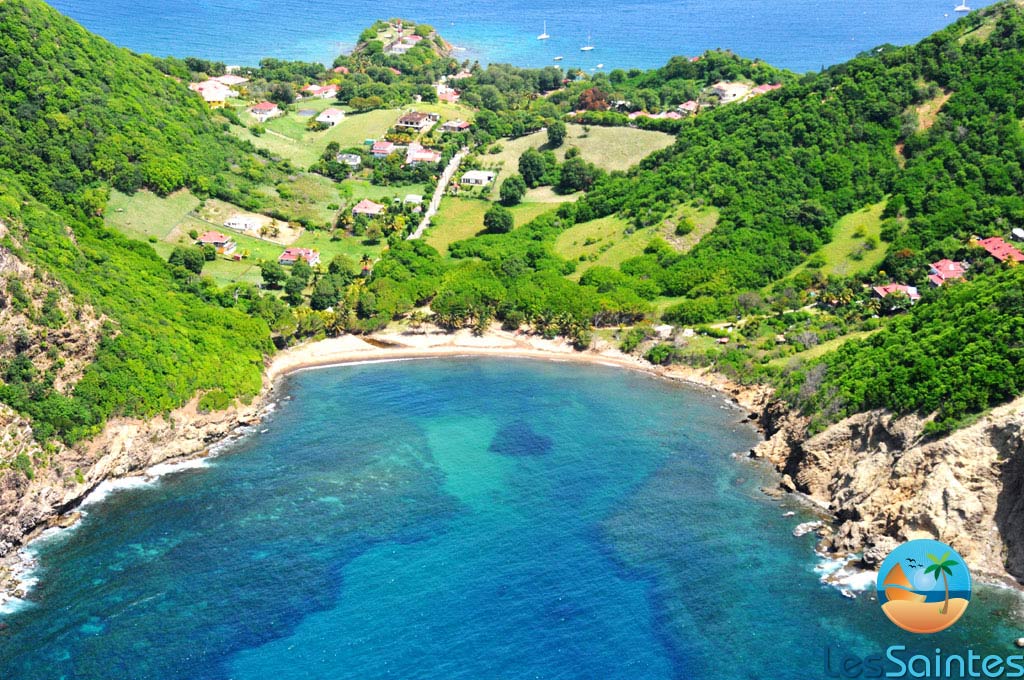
264 111
477 178
242 222
331 117
730 92
352 160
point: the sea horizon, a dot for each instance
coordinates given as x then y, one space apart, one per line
802 35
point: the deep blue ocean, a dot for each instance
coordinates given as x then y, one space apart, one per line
802 35
458 519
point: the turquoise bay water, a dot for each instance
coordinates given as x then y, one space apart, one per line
801 35
463 518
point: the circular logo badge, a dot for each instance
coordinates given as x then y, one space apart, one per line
924 586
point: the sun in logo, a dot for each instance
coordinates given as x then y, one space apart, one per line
924 586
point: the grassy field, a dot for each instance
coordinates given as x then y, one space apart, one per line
287 136
167 221
602 242
610 148
839 254
144 214
360 189
819 350
462 218
702 219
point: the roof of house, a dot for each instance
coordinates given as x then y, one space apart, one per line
295 253
231 79
946 270
395 71
479 175
761 89
383 147
413 118
264 106
890 288
331 113
341 69
1001 250
213 237
368 207
690 106
460 75
456 125
449 95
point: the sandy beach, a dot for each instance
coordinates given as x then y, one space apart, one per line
433 343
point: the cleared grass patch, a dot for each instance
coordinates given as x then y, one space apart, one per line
287 136
821 349
702 219
928 112
145 215
846 254
609 148
602 242
462 218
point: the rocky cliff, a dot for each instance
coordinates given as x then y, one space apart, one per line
885 482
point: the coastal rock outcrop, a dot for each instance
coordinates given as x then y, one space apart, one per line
885 481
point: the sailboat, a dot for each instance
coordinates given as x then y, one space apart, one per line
589 46
558 58
962 7
544 35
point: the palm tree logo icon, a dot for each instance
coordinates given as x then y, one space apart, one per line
922 593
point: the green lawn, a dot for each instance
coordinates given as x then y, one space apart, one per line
610 148
840 254
602 242
702 219
462 218
819 350
361 189
287 136
144 214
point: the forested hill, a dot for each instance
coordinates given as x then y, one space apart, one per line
78 115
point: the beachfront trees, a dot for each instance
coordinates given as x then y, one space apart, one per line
512 190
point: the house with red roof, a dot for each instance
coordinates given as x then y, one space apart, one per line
455 126
293 255
341 69
221 242
383 149
689 107
417 120
416 154
368 208
321 91
264 111
447 94
946 270
763 89
1001 250
214 92
395 71
890 288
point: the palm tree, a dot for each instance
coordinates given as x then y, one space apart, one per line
941 565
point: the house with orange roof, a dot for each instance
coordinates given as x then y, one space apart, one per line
946 270
293 255
221 242
368 208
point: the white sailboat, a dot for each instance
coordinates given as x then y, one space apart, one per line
589 46
544 35
558 58
962 7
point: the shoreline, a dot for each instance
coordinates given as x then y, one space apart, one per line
215 431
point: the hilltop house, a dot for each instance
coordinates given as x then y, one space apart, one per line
728 92
890 288
368 208
764 89
455 126
320 91
341 69
264 111
1001 250
214 92
243 222
292 255
460 75
946 270
417 120
383 149
352 160
417 154
231 79
448 94
221 242
477 178
689 108
331 117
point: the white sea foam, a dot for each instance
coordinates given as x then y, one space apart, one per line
841 575
104 489
168 468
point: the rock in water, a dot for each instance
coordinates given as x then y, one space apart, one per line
519 439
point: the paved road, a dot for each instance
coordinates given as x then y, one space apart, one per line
442 184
